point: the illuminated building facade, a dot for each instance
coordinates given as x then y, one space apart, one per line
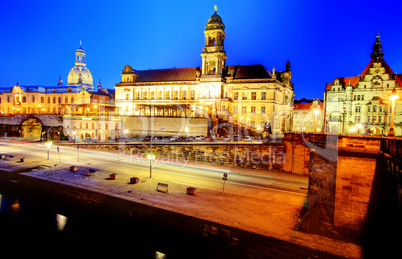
76 104
361 104
241 96
308 116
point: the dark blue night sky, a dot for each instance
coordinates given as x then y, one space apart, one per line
321 39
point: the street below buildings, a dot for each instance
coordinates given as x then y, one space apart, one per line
190 173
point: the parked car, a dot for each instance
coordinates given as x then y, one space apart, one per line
247 138
226 139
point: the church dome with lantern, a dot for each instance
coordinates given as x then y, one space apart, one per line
80 75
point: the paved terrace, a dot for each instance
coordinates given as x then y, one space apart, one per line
271 212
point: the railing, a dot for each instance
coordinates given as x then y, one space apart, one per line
391 151
392 147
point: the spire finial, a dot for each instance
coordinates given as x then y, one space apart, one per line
80 43
60 82
216 8
377 49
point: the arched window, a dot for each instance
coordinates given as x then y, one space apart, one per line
212 67
66 100
72 99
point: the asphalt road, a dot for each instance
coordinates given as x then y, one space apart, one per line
123 163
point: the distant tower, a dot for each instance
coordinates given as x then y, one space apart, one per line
213 54
80 74
60 82
377 49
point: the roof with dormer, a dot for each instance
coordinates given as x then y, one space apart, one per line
249 72
190 74
166 75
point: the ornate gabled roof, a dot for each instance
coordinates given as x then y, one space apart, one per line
376 57
384 64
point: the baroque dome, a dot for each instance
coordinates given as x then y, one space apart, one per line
215 18
215 21
80 74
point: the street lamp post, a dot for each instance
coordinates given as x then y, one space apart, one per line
151 156
393 98
48 145
316 111
343 117
358 127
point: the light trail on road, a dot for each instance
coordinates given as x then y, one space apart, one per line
114 161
